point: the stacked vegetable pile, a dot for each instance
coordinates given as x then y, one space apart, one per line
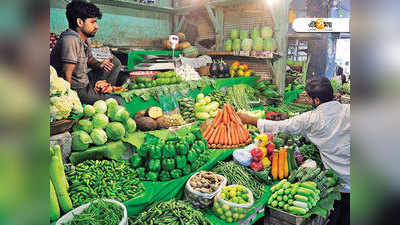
186 107
260 40
227 130
151 118
64 102
238 174
170 212
240 70
268 91
260 154
283 163
201 188
59 197
205 108
233 203
95 179
290 108
169 77
163 160
217 96
240 96
98 213
296 198
105 121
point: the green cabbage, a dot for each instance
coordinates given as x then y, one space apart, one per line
202 115
100 106
228 45
111 101
130 125
236 44
234 34
115 130
121 114
99 136
247 44
266 32
258 44
214 113
89 110
269 44
80 140
244 34
213 106
100 120
255 33
84 125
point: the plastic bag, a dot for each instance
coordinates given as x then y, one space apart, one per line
243 157
200 199
230 211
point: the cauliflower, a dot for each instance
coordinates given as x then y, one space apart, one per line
59 86
53 74
60 107
77 106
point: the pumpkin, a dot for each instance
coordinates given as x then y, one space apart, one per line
190 52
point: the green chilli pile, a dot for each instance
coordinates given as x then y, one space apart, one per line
103 179
175 212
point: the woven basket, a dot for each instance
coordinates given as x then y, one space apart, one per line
61 126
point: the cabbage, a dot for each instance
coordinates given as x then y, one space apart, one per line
202 101
258 44
269 44
130 125
202 115
200 107
121 114
80 140
213 106
234 34
99 136
228 45
100 120
111 101
115 130
89 110
266 32
208 99
214 113
199 97
84 125
236 44
246 44
255 33
244 34
100 106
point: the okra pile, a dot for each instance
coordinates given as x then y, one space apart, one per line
175 212
94 179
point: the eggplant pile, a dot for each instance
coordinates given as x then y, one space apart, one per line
219 69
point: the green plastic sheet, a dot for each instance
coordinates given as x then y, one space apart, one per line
135 57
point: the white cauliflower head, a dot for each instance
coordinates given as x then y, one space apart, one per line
77 106
60 107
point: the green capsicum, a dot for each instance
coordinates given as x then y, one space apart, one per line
182 148
168 164
192 156
187 169
205 143
181 161
195 165
169 151
143 150
190 138
136 160
199 146
155 152
197 133
154 165
176 173
141 171
164 176
152 176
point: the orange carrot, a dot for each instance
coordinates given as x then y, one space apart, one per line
207 131
235 139
217 119
210 133
221 137
242 135
225 114
213 136
226 139
229 134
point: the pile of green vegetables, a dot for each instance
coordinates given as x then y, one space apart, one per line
105 121
170 212
240 96
186 107
98 213
92 180
218 96
268 90
290 108
237 174
339 88
310 151
177 156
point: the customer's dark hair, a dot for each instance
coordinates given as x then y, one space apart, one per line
320 87
81 9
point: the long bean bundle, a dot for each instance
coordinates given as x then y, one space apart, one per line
237 174
170 212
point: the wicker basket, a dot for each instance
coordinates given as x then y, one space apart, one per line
61 126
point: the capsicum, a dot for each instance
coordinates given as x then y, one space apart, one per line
164 176
155 152
257 154
152 176
187 169
141 171
265 161
154 165
192 156
169 151
191 138
143 150
181 161
136 160
168 164
197 133
176 173
199 146
256 165
182 148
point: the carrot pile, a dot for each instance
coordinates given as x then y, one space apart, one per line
227 130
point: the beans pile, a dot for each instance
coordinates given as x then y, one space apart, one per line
94 179
175 212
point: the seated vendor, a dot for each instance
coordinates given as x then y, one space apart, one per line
329 128
72 55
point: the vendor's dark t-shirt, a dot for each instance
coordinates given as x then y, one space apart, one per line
71 49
